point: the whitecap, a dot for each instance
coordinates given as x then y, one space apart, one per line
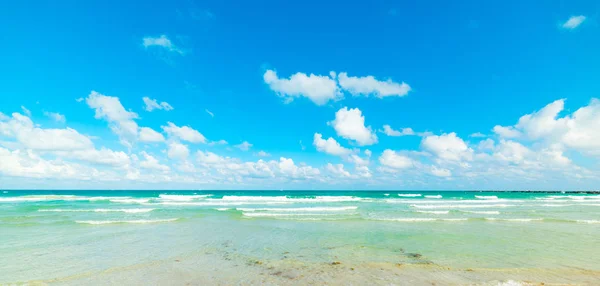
483 212
461 206
259 214
434 196
409 195
434 212
307 209
487 197
130 201
98 210
182 197
588 221
513 219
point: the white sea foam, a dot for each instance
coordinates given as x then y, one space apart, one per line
223 209
513 219
259 214
141 221
183 198
434 212
434 196
316 199
409 195
420 219
387 195
218 203
483 212
451 201
130 201
308 209
461 206
98 210
588 221
487 197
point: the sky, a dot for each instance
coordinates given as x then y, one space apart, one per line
344 95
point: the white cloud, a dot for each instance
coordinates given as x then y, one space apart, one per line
103 157
288 168
350 124
220 142
120 120
329 146
244 146
440 172
506 132
152 104
163 42
393 159
3 117
357 160
80 99
178 151
391 132
369 85
148 134
368 152
262 153
487 144
185 133
573 22
27 164
209 113
152 163
22 129
26 111
55 116
319 89
579 130
477 135
337 170
447 147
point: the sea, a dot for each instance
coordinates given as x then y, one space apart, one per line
299 238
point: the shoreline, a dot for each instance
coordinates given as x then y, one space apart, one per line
213 267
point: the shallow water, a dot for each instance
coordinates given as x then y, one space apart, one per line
85 237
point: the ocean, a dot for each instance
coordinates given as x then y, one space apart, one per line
299 237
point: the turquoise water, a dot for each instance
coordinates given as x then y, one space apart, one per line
69 235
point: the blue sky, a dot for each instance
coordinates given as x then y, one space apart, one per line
75 74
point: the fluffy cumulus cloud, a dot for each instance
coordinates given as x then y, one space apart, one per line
579 131
162 42
337 170
177 150
329 146
324 88
23 131
573 22
149 135
368 85
350 124
319 89
121 121
387 130
152 104
151 163
395 160
448 147
184 133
